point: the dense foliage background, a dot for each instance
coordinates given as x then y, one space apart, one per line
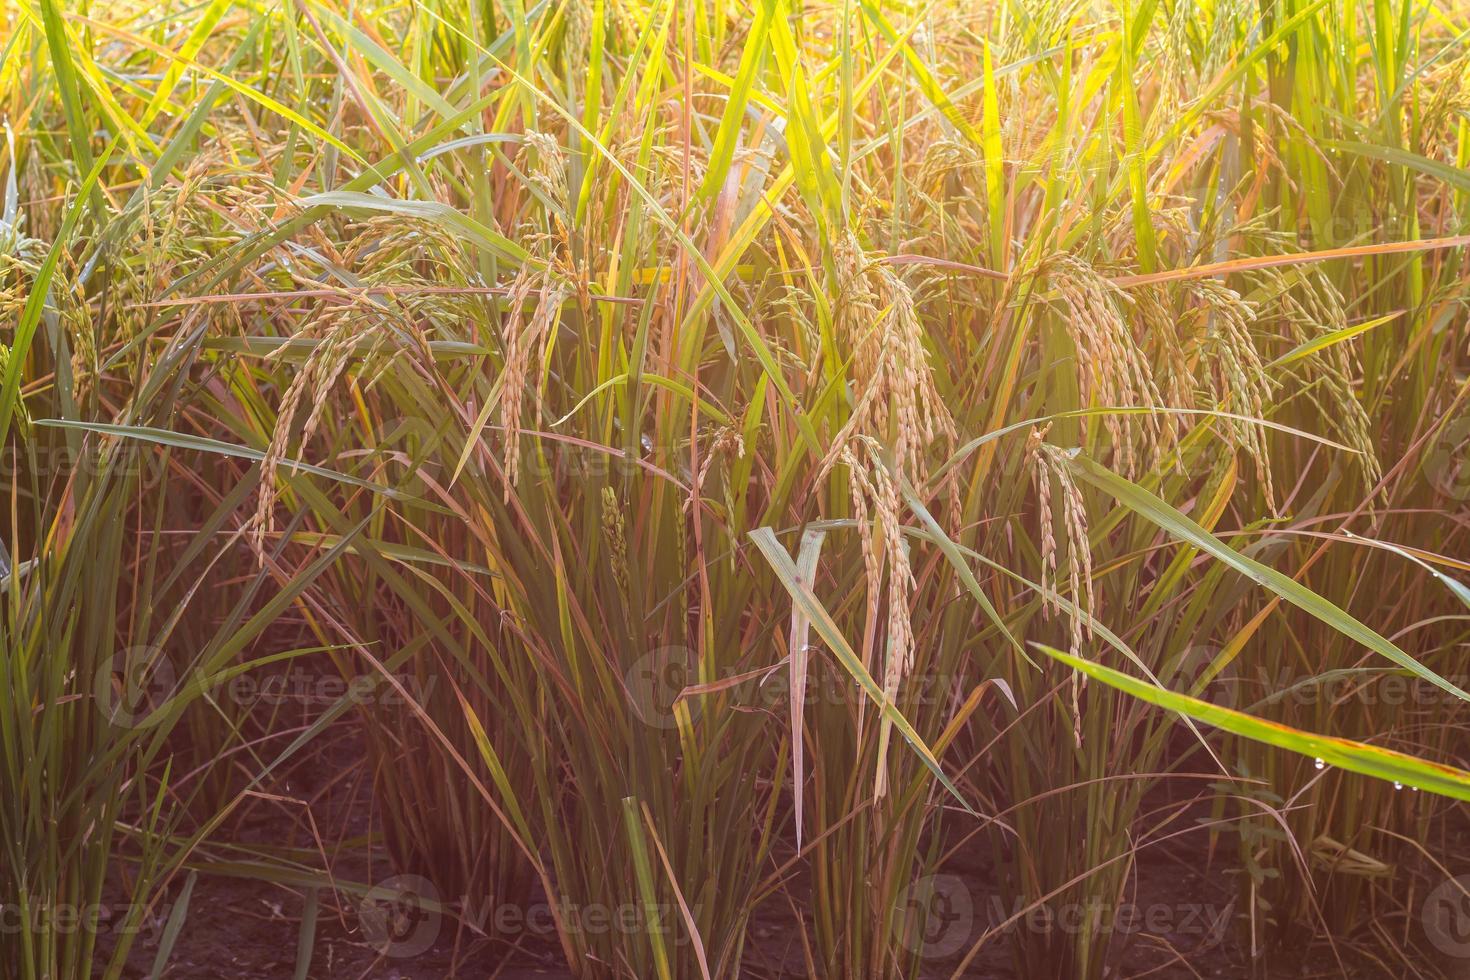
737 455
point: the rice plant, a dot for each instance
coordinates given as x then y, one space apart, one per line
771 472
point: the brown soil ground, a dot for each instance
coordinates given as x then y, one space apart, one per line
243 929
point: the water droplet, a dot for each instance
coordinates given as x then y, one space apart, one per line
1397 784
1320 763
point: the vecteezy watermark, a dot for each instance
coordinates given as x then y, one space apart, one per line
401 916
131 687
96 918
422 444
1447 460
62 460
772 690
655 681
1205 921
1192 675
938 916
1247 688
579 918
311 688
1446 917
660 679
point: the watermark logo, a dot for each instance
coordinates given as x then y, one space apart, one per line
401 916
137 681
936 916
1193 677
1447 463
309 688
654 683
591 918
98 918
656 680
1446 917
131 686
